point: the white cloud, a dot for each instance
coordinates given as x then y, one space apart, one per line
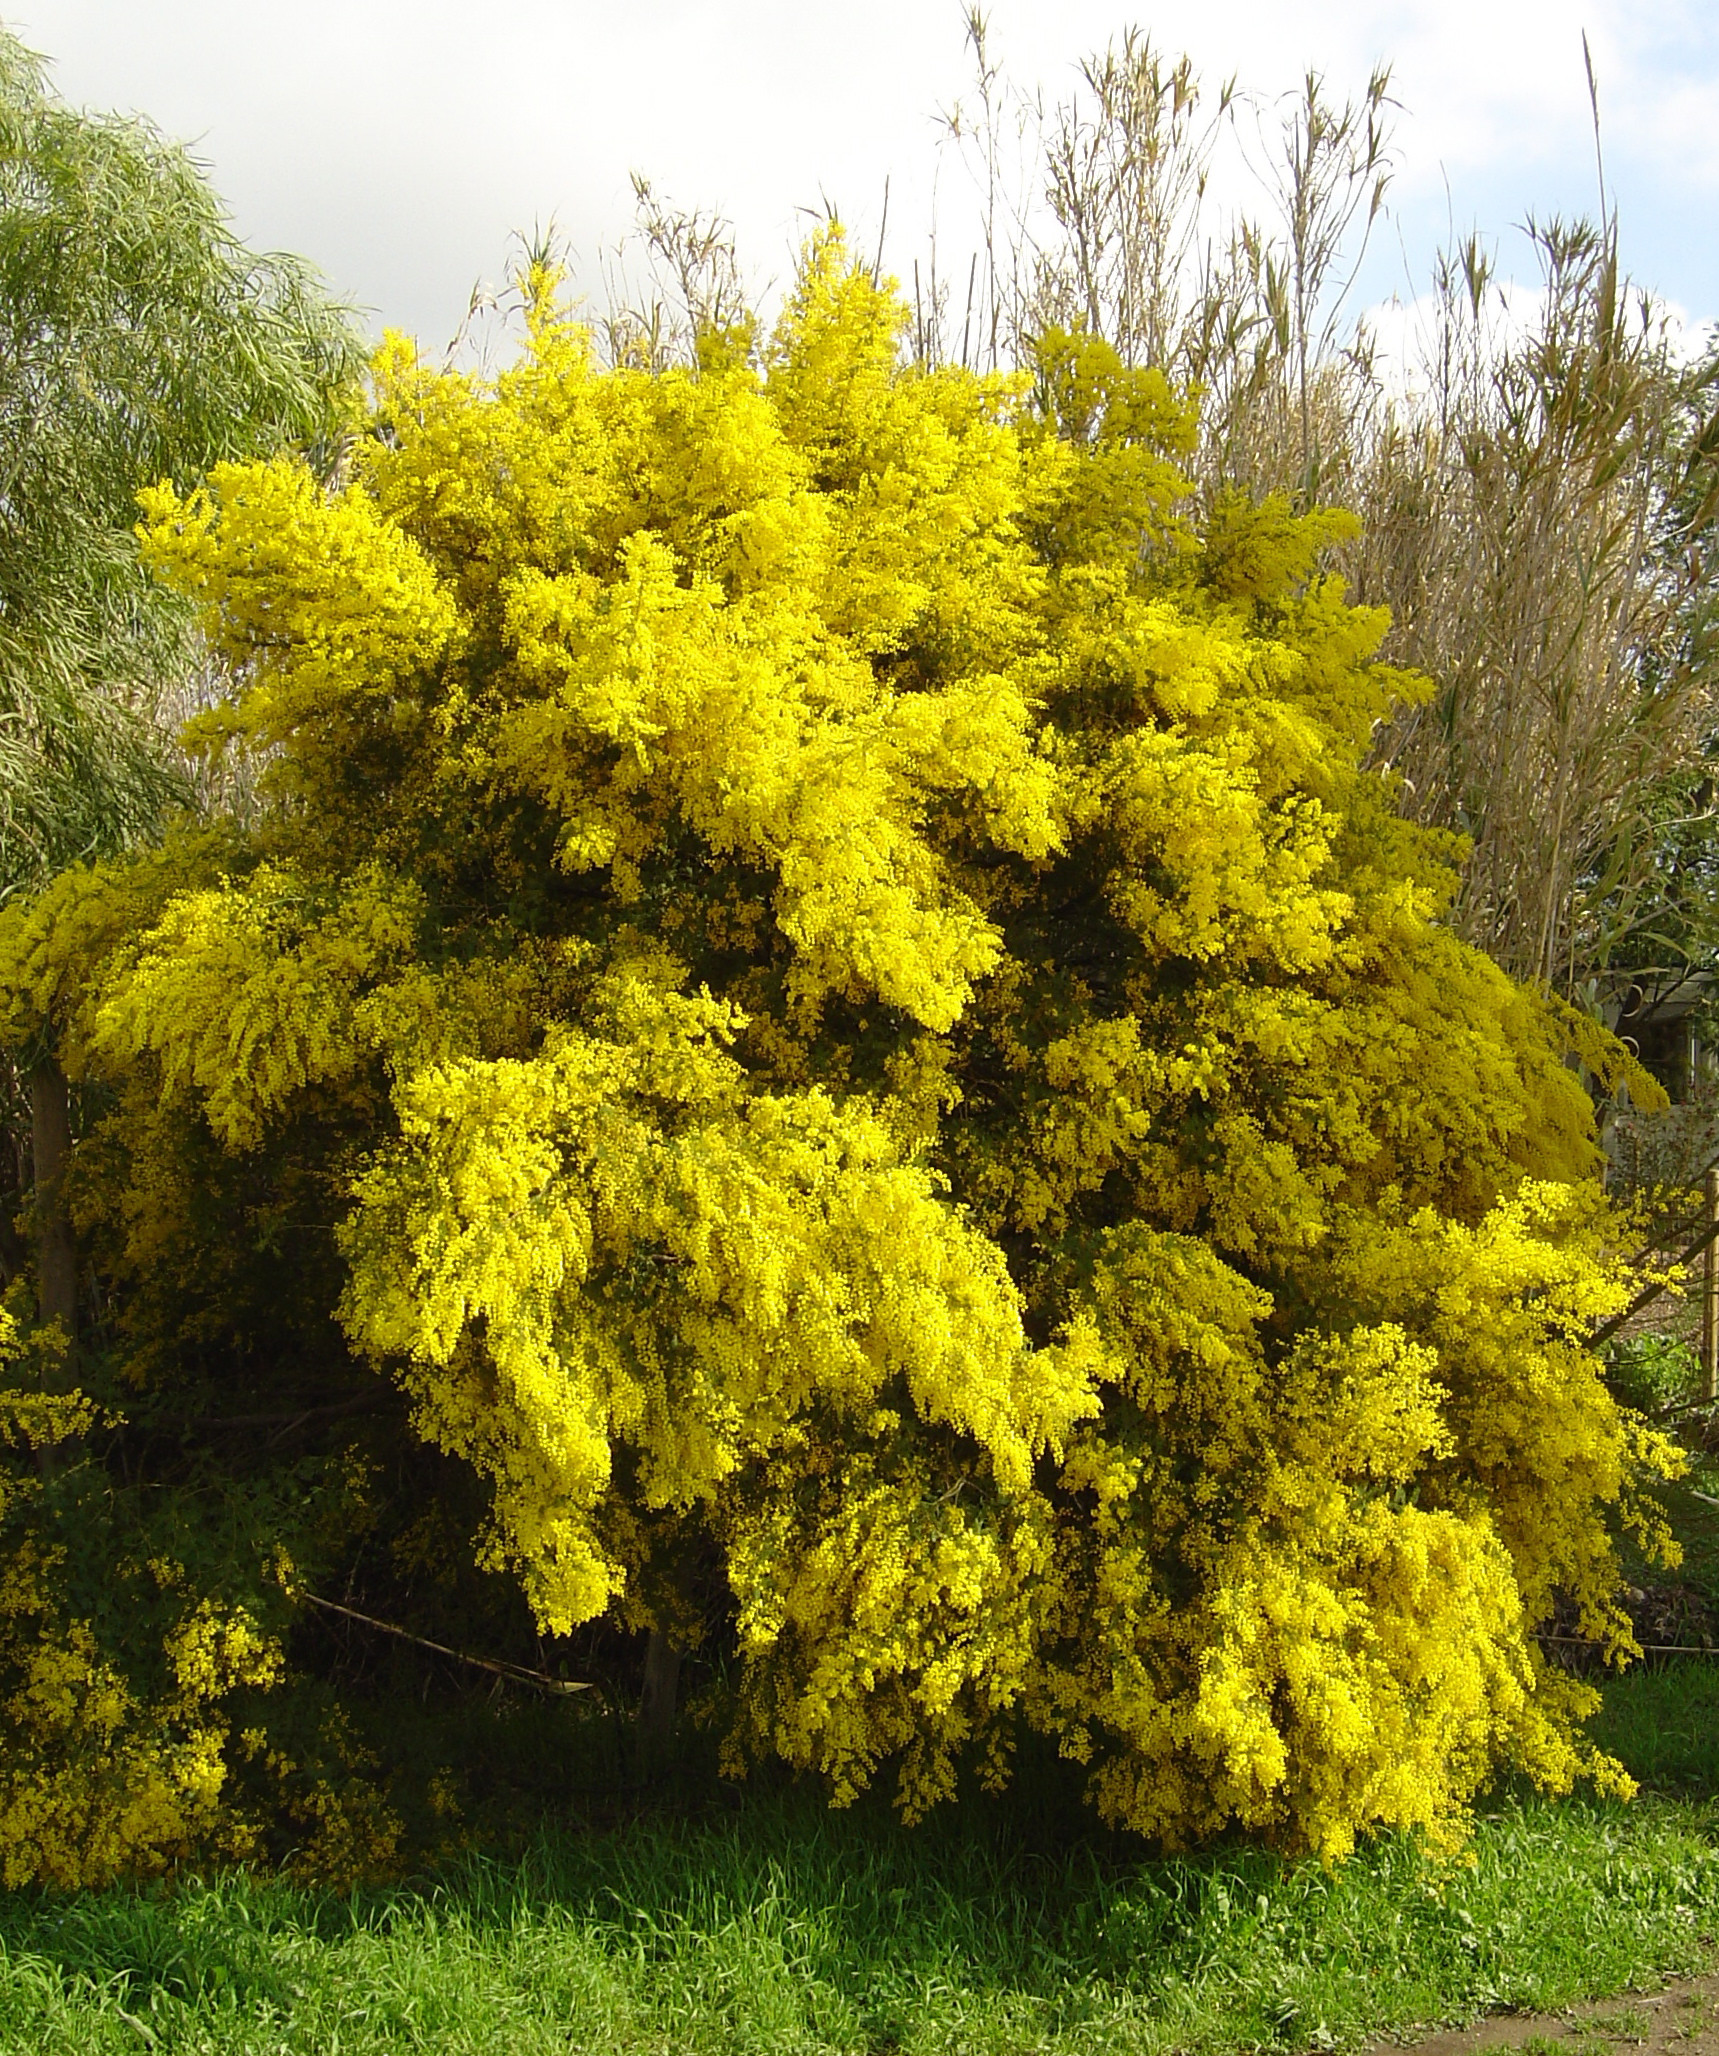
398 141
1406 333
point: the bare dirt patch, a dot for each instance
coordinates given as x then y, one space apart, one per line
1680 2020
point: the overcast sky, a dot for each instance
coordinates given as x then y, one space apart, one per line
397 143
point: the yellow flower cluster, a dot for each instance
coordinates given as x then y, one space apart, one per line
891 1082
95 1781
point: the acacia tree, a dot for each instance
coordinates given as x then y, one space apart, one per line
823 993
138 339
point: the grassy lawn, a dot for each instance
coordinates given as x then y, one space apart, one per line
768 1923
780 1926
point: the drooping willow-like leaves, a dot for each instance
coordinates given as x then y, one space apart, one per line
139 339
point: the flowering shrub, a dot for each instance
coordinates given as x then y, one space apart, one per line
888 1079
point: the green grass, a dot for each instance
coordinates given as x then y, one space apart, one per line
782 1927
1664 1724
1695 1521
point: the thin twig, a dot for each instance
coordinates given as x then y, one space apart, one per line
541 1680
362 1402
1647 1648
1608 1329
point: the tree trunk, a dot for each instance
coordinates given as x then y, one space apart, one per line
51 1147
656 1702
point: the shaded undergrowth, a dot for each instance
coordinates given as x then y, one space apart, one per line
777 1925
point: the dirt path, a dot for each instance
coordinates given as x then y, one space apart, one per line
1681 2020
